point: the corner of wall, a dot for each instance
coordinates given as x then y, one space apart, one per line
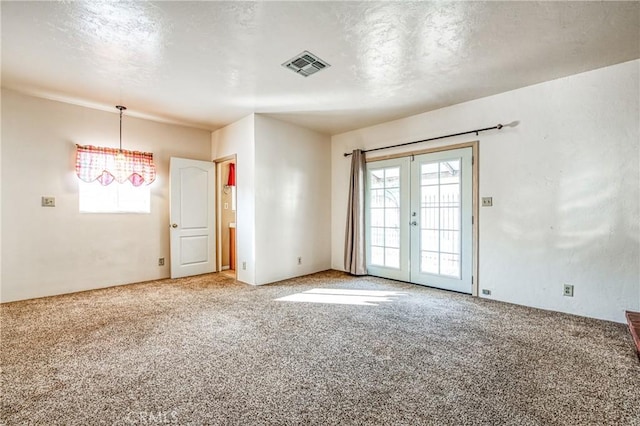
293 193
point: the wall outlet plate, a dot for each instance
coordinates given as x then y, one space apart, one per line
568 290
244 266
161 261
487 201
486 291
48 201
299 261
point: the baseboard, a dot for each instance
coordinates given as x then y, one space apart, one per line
224 268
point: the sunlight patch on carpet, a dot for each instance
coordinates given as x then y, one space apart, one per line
343 297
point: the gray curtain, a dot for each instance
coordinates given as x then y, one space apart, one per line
354 248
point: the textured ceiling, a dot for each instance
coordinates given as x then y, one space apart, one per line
207 64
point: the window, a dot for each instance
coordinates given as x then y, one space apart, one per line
115 198
114 180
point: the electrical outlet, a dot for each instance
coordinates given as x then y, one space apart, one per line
48 201
244 266
487 201
299 261
486 291
568 290
161 261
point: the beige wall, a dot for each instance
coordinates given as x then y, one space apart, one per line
283 198
293 200
238 139
47 251
564 184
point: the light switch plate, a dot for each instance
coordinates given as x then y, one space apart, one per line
48 201
487 201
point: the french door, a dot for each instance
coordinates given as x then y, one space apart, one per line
419 219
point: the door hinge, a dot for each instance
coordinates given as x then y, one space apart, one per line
473 220
471 279
473 160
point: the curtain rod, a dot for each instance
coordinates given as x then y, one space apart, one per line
499 126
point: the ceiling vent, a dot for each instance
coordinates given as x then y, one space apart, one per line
305 64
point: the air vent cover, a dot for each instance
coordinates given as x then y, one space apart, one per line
305 64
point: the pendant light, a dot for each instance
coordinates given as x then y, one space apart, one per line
121 159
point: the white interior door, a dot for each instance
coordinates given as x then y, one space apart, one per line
192 216
441 209
419 219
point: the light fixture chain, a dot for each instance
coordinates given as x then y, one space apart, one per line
121 108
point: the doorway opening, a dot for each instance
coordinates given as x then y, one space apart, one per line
420 211
226 224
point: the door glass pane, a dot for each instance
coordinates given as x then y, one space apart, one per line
392 218
392 177
429 241
392 197
429 262
450 241
429 174
377 236
384 209
377 198
392 258
450 219
450 171
440 218
392 237
450 264
376 179
377 256
430 196
450 195
377 217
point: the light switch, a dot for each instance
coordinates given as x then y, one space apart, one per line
487 201
48 201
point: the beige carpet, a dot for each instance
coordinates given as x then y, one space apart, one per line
206 350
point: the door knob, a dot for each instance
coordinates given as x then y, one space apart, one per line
414 223
175 225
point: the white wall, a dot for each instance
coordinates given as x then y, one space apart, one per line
283 210
238 138
293 193
48 251
564 182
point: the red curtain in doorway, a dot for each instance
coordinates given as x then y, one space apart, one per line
231 181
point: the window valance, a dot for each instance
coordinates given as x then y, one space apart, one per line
108 164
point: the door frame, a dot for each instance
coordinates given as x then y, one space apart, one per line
218 224
475 185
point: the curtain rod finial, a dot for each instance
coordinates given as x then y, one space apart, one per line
499 126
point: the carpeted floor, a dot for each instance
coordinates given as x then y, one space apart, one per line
206 350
